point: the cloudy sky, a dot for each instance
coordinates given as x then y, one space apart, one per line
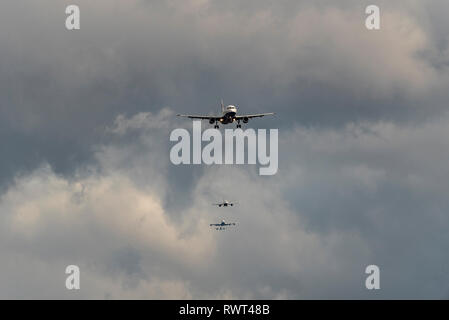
85 175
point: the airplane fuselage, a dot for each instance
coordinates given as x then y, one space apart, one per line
229 114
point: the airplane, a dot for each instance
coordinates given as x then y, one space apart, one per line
225 203
222 225
229 115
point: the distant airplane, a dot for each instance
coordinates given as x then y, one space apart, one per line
229 115
225 203
222 225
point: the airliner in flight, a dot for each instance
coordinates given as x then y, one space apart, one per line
229 115
222 225
225 203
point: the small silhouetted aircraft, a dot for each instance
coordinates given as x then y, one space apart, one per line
229 115
225 203
222 225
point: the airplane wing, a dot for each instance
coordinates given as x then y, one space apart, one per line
215 224
199 117
258 115
230 224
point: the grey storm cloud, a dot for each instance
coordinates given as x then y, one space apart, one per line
85 176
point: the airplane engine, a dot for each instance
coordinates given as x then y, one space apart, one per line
245 120
211 121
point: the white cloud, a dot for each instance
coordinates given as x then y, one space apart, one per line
142 120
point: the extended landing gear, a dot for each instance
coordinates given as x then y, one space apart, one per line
238 124
216 126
